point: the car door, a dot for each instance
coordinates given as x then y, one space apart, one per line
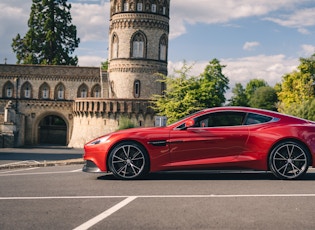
215 138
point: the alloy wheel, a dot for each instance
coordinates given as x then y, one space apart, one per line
128 161
289 160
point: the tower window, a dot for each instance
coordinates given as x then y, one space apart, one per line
137 89
115 47
139 6
153 8
164 10
138 46
163 88
163 48
126 6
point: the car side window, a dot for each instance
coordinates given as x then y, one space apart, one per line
219 119
253 118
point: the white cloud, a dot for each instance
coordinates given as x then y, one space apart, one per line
308 50
92 21
242 70
220 11
250 45
13 17
94 61
298 19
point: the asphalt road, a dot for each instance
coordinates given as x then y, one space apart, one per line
22 157
64 197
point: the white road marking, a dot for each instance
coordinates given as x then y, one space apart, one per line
18 170
77 170
105 214
20 163
160 196
11 173
129 199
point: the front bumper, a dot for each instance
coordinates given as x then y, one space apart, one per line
90 167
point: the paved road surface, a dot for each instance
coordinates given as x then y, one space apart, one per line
64 197
17 157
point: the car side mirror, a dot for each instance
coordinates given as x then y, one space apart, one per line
190 123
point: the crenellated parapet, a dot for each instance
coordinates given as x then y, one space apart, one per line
103 107
51 104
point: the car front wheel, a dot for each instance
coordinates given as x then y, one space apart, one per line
128 160
289 160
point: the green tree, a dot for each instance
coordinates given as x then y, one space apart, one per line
212 85
265 97
51 37
105 65
179 98
253 85
239 97
186 94
296 95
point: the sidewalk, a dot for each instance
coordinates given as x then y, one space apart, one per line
39 156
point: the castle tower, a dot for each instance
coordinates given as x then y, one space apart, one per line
138 47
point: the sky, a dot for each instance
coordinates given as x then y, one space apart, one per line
254 39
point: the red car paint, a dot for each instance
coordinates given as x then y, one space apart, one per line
244 146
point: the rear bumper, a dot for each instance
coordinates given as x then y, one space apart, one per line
90 167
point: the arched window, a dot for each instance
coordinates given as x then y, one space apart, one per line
136 89
163 48
44 91
115 43
60 92
8 90
26 90
83 91
138 45
96 91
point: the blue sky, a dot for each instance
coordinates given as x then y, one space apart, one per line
254 39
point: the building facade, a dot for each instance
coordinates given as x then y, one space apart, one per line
71 105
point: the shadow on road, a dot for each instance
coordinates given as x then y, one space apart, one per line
40 153
208 175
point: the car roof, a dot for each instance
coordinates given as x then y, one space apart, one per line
253 110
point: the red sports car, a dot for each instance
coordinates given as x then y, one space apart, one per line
216 138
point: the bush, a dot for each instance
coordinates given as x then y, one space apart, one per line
125 123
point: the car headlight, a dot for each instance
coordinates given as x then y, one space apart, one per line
98 141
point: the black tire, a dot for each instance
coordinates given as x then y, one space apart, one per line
289 160
128 160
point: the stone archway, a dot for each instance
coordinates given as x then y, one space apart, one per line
52 130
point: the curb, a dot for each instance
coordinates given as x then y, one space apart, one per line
43 164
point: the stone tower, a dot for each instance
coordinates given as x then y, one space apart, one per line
138 47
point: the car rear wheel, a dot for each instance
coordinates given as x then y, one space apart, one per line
128 160
289 160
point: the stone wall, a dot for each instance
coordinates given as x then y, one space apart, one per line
94 118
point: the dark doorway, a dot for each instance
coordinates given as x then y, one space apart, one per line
53 130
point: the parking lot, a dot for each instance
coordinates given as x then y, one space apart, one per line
63 197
